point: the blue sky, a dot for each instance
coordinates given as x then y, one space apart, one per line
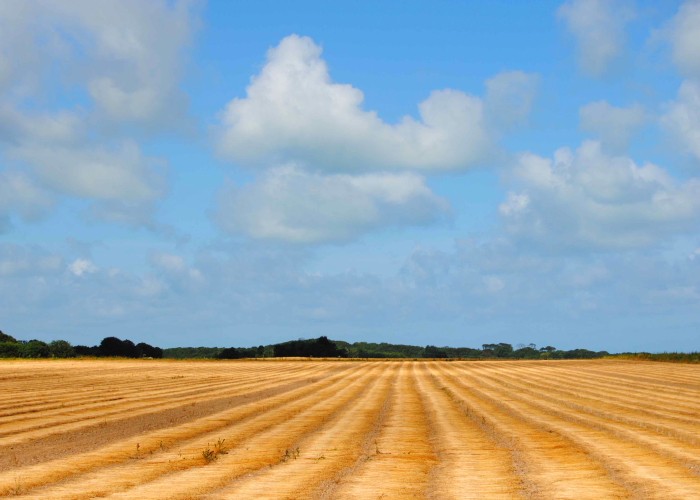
450 173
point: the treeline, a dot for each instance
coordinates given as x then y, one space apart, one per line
10 347
500 350
325 348
118 348
109 347
321 347
312 348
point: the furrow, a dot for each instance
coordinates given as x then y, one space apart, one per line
404 456
683 431
96 430
150 455
318 459
259 443
472 464
641 469
549 464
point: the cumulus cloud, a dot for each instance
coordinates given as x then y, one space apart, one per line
293 111
598 27
613 126
682 118
98 173
61 127
80 267
684 34
130 53
329 166
290 204
587 198
123 61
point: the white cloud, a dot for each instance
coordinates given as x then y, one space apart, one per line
301 129
682 118
289 204
586 198
70 72
599 29
63 126
293 111
96 173
130 53
612 125
684 33
80 267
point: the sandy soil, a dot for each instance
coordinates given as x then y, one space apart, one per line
349 429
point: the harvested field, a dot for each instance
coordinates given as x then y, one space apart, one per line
349 429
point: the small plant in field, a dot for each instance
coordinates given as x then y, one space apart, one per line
17 489
220 448
210 454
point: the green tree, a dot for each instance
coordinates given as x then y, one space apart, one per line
6 338
34 349
431 351
61 349
500 350
230 353
10 349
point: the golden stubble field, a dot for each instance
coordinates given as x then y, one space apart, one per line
349 429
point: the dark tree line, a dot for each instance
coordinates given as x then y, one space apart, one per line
115 347
321 347
242 352
317 348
